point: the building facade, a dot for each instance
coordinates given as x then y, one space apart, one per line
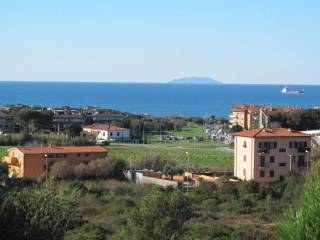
248 117
267 155
107 132
32 161
7 123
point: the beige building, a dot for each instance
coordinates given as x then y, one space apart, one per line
32 161
267 155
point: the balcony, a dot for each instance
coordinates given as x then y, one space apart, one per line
263 150
304 149
264 166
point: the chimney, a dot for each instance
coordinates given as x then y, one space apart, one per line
289 129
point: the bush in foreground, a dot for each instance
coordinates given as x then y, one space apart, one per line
44 213
305 222
160 215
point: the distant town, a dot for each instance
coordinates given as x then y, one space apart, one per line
258 144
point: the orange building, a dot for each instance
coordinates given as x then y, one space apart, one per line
32 161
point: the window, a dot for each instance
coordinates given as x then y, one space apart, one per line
79 154
275 145
244 172
282 150
271 159
271 173
282 164
301 162
290 144
118 134
244 144
262 161
293 159
103 134
262 173
87 154
244 158
110 134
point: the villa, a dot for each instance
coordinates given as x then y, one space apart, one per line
107 132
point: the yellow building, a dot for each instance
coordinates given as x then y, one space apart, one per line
32 161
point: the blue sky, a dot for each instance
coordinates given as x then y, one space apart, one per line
156 41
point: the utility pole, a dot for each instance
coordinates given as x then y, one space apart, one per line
187 172
46 158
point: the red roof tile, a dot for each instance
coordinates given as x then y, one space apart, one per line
64 149
268 132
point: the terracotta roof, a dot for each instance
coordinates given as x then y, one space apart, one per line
64 149
105 127
268 132
255 108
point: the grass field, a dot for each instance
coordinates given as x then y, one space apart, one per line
3 150
201 154
198 157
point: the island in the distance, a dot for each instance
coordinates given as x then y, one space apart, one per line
194 80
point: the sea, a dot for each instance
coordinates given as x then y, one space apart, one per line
156 99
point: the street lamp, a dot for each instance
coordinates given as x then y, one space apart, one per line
290 159
307 151
187 154
46 158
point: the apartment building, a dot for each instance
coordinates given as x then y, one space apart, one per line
247 116
267 155
33 161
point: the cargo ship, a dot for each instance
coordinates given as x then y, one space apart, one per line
285 90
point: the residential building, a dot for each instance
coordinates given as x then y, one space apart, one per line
106 117
63 121
7 123
247 116
33 161
267 155
107 132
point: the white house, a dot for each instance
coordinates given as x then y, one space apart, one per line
107 132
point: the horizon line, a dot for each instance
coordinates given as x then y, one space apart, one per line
137 82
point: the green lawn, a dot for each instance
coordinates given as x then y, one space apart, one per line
191 130
3 151
198 157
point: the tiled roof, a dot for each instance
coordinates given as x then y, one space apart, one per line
268 132
255 108
64 149
105 127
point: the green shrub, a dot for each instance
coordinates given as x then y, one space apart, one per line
305 222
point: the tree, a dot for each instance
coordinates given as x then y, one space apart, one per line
160 215
74 129
31 121
236 128
41 214
305 222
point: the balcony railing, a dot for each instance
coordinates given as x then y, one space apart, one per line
304 149
263 150
266 165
